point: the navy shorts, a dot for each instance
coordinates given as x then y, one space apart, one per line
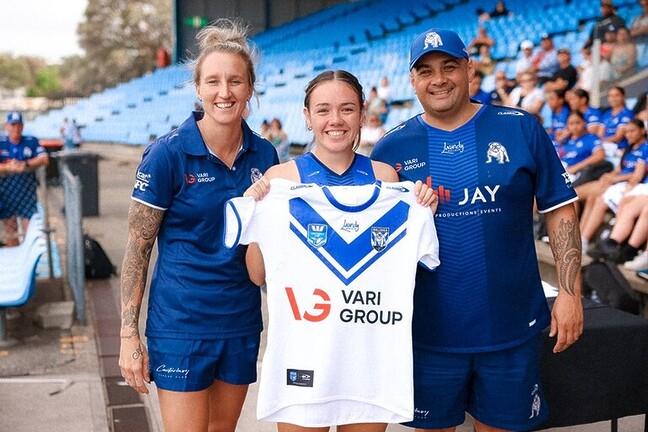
191 365
501 389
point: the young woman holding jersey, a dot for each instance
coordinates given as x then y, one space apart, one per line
334 111
204 314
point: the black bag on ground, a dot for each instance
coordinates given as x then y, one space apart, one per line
97 263
611 287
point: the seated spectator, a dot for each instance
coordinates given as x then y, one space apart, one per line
265 129
370 133
475 91
482 39
629 233
623 57
525 62
582 153
639 26
384 91
608 20
500 10
502 85
578 100
482 16
566 76
527 95
559 113
614 121
484 62
606 193
586 71
279 139
374 104
545 61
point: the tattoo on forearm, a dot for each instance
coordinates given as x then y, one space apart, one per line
143 225
566 247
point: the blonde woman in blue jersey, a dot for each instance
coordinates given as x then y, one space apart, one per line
204 314
334 111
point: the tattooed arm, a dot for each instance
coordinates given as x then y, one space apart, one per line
143 225
565 241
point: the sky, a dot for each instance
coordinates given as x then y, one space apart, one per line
42 28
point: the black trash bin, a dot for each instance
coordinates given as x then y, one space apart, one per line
85 166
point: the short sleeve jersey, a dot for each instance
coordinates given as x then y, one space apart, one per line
311 170
592 116
612 121
632 158
576 150
18 191
558 121
199 288
487 293
340 266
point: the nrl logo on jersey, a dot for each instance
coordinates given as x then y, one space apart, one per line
317 234
432 39
498 152
379 238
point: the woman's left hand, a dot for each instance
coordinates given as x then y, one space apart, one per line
258 190
425 195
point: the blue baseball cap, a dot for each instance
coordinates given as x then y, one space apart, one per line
14 117
435 40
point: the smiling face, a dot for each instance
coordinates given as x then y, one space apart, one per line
335 113
441 82
224 87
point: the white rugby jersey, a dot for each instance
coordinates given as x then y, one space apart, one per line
340 267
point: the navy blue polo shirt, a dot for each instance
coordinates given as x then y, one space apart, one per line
199 289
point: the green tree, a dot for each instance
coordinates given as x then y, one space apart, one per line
120 39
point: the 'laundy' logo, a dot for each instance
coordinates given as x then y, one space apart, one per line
498 152
317 235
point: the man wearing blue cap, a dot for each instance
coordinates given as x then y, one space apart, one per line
478 318
20 156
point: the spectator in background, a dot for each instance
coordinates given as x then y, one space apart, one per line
606 193
545 61
582 153
608 21
500 10
475 91
375 104
559 113
578 100
623 56
482 16
639 26
20 156
384 91
585 71
265 129
279 139
525 62
503 86
370 133
527 95
614 121
67 134
566 76
482 39
484 62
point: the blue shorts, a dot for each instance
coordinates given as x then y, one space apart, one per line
192 365
501 389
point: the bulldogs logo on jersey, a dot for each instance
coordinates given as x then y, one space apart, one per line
498 152
379 238
317 235
255 175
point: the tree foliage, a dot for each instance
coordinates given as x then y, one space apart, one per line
120 39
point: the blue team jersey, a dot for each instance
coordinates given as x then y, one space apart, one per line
18 191
612 122
630 160
311 170
592 116
576 150
558 121
199 289
487 293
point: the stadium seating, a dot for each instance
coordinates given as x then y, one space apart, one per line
370 38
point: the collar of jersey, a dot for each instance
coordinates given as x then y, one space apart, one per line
357 208
193 143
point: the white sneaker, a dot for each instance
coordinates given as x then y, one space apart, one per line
640 262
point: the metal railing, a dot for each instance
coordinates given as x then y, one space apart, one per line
74 244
